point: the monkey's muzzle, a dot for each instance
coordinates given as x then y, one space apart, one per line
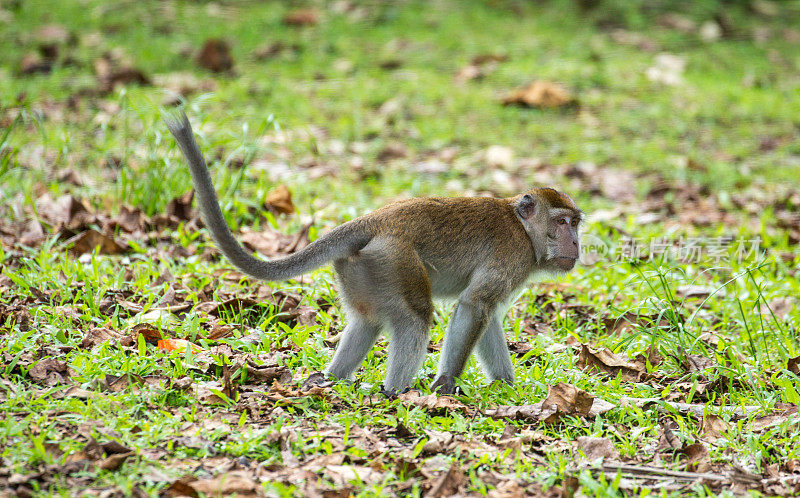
565 264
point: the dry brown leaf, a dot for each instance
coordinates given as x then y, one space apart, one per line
86 242
668 439
596 447
268 50
301 17
521 412
128 219
780 307
342 475
448 483
612 364
695 363
617 185
714 427
53 33
393 151
67 210
469 72
677 22
114 462
110 71
265 374
237 482
33 63
215 56
279 200
184 83
568 400
793 365
272 244
181 207
697 458
32 234
540 94
49 372
433 403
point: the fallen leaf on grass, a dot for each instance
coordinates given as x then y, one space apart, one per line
111 72
215 55
184 83
86 242
714 427
53 33
793 365
343 475
780 307
448 483
66 211
279 200
433 403
695 363
480 66
536 412
32 234
301 17
129 219
697 458
49 372
266 374
181 207
107 456
611 364
568 400
540 94
180 345
499 156
272 244
237 483
596 447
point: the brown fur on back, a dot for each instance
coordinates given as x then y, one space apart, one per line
428 224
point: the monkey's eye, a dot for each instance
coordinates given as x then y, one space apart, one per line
574 222
562 221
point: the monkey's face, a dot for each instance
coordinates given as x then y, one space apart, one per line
552 221
563 247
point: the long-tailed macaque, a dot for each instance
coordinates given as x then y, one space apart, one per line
392 262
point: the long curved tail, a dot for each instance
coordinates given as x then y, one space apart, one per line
342 241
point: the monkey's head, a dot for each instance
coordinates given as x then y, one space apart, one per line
552 221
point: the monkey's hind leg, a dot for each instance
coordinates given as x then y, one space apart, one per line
407 349
357 338
492 349
410 315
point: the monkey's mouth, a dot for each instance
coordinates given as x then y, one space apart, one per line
565 264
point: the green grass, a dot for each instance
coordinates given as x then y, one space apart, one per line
730 129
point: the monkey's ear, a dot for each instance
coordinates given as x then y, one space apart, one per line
526 206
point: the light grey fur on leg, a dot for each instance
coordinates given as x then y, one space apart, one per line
407 349
492 350
466 326
357 338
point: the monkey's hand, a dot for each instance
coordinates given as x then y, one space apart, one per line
444 385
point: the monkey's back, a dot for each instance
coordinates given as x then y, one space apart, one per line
456 236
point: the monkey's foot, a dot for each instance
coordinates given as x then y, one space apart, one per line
444 385
317 379
393 393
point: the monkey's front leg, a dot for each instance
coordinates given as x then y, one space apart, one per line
468 323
